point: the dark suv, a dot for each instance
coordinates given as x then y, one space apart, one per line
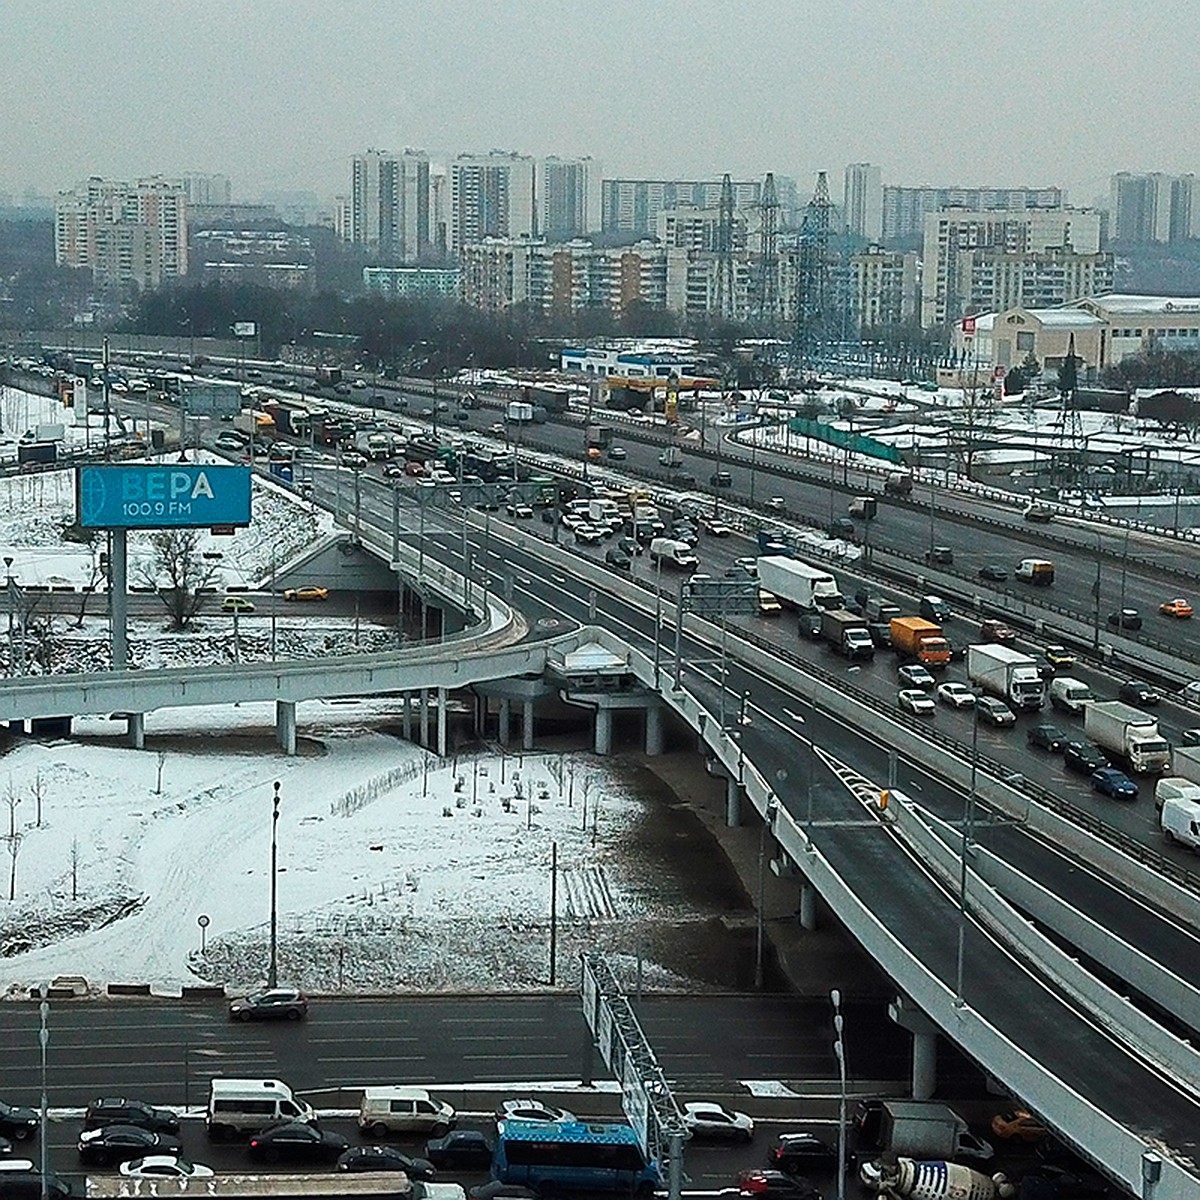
18 1182
119 1111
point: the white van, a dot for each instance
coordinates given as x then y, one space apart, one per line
243 1106
1070 695
387 1110
1180 822
1175 787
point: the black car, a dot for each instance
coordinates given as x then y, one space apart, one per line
119 1143
1134 692
797 1153
881 633
843 527
775 1185
1125 618
618 559
17 1123
27 1185
463 1148
994 572
721 479
271 1004
1046 737
810 625
1083 758
629 545
495 1190
110 1110
939 554
385 1158
994 712
298 1142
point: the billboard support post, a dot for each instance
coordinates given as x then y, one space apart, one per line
119 601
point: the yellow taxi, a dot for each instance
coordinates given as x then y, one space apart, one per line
1178 608
308 592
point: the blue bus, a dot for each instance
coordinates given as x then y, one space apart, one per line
553 1156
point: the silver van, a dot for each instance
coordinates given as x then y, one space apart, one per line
243 1106
1070 695
387 1110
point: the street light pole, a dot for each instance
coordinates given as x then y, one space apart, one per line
43 1041
657 616
839 1051
273 969
968 835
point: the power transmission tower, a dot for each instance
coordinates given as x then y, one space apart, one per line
768 262
725 296
814 299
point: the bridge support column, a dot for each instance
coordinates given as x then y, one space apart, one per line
808 906
425 718
285 726
602 744
441 723
505 721
733 803
654 729
527 725
407 717
136 725
478 715
925 1035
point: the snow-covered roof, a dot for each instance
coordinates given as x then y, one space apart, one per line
1065 318
1120 304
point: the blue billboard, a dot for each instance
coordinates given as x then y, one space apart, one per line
179 495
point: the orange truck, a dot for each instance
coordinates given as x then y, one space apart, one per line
921 640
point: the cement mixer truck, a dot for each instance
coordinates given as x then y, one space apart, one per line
909 1179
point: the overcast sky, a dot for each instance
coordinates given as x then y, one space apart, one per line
279 93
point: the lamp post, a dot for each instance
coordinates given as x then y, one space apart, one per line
657 617
8 562
839 1051
43 1114
273 969
968 834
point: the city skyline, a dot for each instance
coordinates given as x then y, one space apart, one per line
280 97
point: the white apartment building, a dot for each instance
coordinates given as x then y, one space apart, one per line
389 204
633 205
697 229
1154 207
491 196
905 208
568 198
206 189
124 233
884 287
962 247
862 201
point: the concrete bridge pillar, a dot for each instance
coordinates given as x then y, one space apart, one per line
808 906
505 721
603 739
925 1034
654 728
733 802
441 722
407 717
479 715
425 718
527 725
136 725
285 726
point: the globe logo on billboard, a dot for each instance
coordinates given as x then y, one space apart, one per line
181 495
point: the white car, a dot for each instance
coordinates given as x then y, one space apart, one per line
521 511
441 475
917 702
589 535
716 528
165 1166
957 695
776 504
704 1120
531 1110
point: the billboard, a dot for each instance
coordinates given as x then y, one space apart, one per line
245 329
211 399
175 496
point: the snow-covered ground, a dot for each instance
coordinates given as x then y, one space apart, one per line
396 870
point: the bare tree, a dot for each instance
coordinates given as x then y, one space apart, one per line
38 790
13 799
179 573
75 868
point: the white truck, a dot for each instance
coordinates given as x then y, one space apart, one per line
671 458
1006 673
519 412
797 584
1185 762
336 1185
906 1179
673 553
373 444
1129 733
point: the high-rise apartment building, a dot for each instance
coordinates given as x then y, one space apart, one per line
389 204
883 287
633 205
1154 207
975 261
491 195
698 229
206 189
905 208
862 201
568 198
124 233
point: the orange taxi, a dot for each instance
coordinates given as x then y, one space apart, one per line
1178 608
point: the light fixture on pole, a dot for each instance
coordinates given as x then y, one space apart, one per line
968 834
839 1051
273 969
43 1115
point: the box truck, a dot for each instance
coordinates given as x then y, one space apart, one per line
673 553
1129 733
921 640
518 412
797 584
847 633
1037 571
671 458
1185 762
898 483
1009 674
920 1127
